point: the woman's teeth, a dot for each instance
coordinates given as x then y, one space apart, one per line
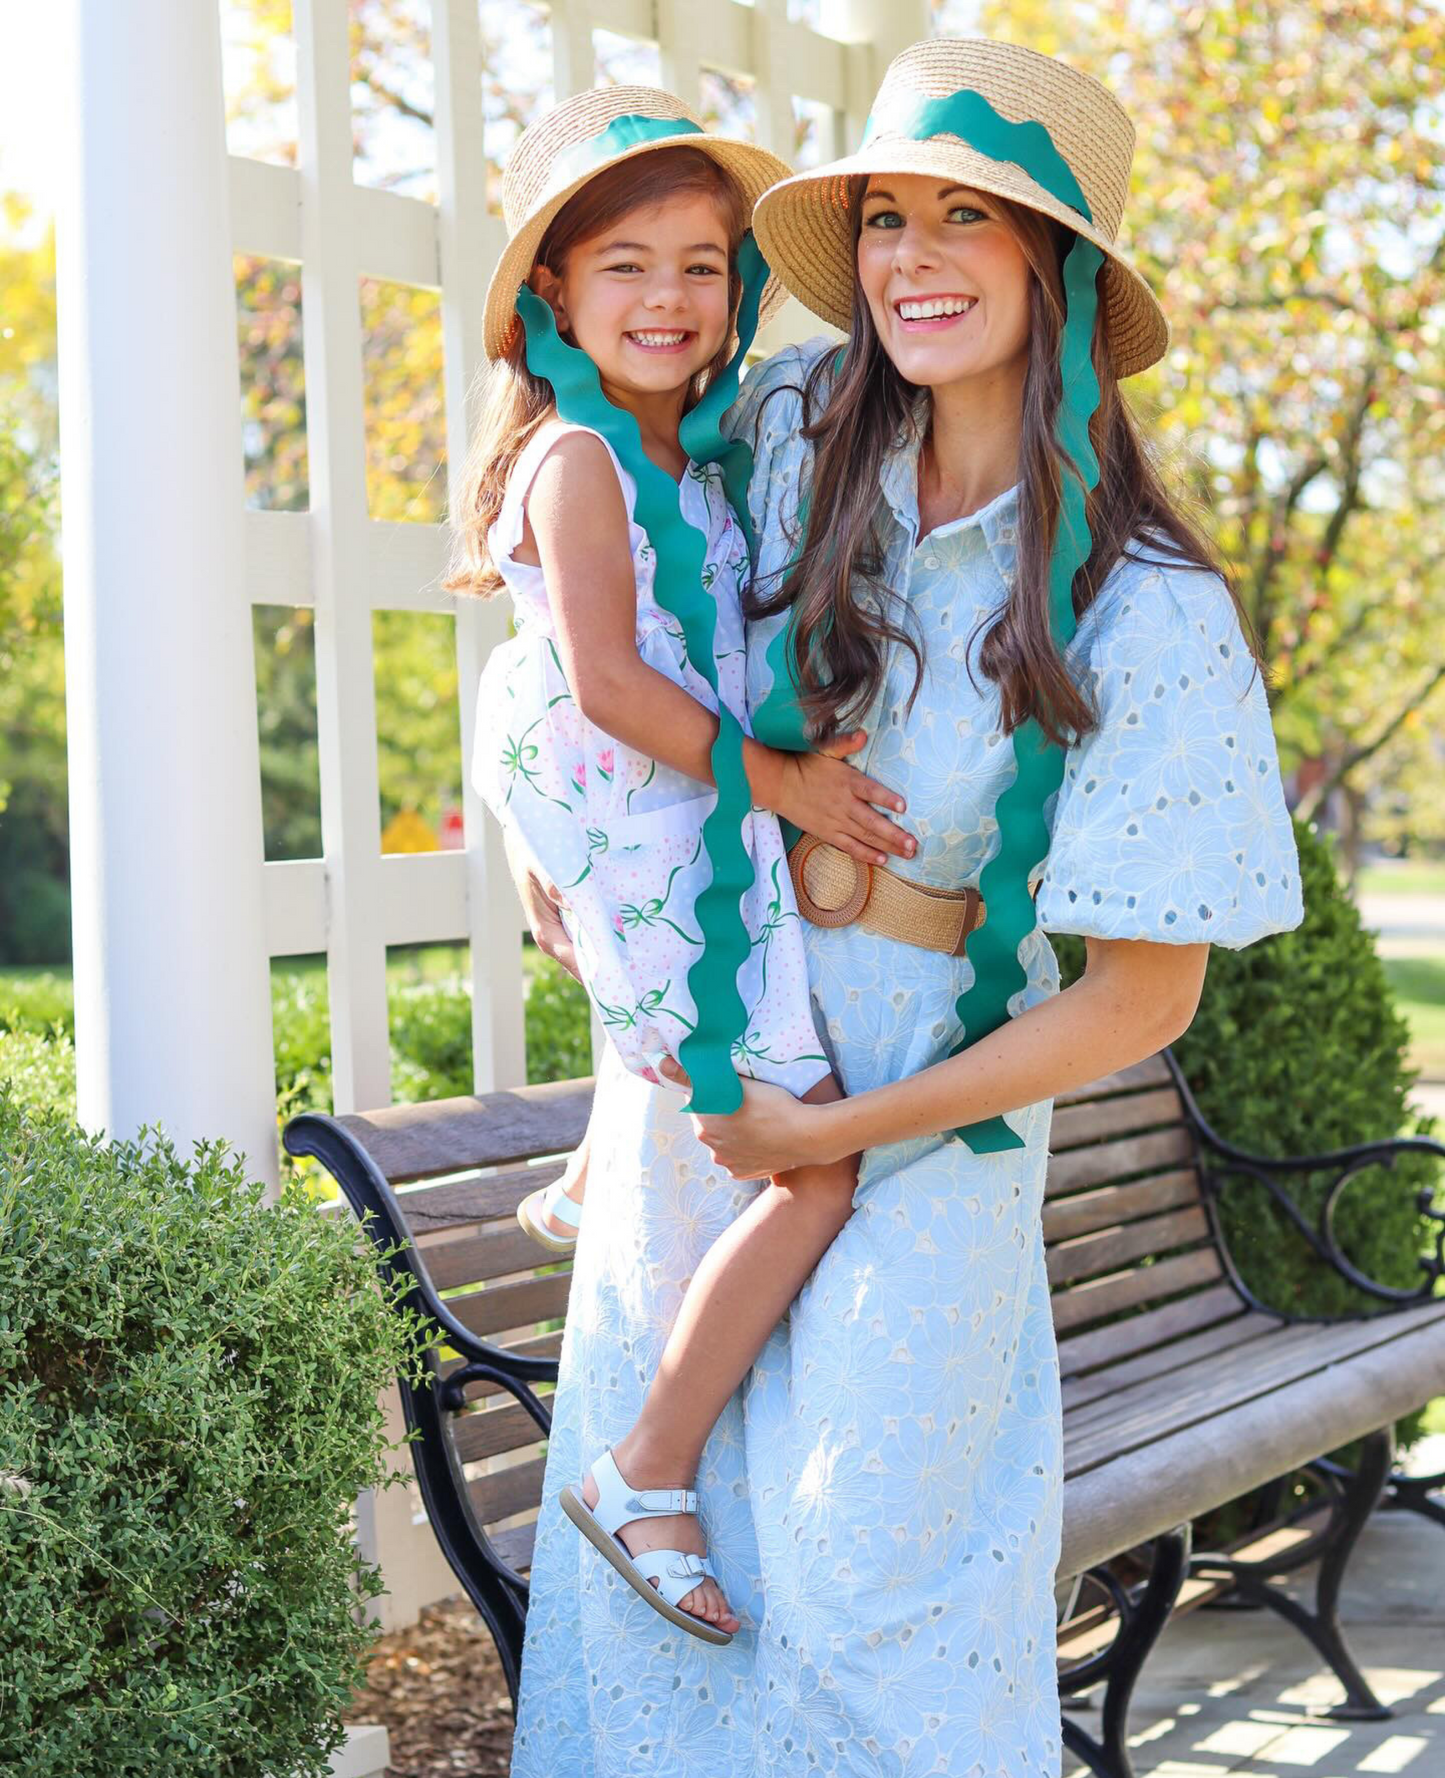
658 339
936 306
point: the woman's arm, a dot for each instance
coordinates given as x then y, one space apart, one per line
590 586
1134 997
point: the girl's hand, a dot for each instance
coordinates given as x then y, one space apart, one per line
824 795
771 1133
540 903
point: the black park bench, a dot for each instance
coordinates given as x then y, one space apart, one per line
1181 1391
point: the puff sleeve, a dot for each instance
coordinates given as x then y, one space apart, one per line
1170 823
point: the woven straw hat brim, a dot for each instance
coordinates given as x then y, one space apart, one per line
802 226
753 168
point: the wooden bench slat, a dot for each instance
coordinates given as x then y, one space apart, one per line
515 1544
507 1491
1102 1119
1111 1205
481 1130
501 1307
1091 1301
1107 1163
493 1431
1106 1345
1292 1355
1153 1071
548 1345
478 1198
1105 1250
1080 1392
476 1259
1282 1354
1121 1502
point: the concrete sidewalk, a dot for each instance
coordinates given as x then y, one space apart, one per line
1241 1692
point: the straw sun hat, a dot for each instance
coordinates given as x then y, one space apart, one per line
556 156
802 224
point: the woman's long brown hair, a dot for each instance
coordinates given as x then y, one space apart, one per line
847 618
515 404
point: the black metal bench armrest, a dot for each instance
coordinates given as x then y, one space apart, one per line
374 1203
1221 1162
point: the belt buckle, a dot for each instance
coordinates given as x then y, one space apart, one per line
848 911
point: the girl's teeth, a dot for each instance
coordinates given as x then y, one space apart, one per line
659 339
928 311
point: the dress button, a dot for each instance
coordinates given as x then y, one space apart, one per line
931 562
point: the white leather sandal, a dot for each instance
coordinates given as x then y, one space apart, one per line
676 1572
550 1200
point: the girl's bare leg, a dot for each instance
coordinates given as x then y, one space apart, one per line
735 1299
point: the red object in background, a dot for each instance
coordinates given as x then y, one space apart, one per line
453 831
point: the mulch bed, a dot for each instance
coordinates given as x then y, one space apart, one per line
439 1690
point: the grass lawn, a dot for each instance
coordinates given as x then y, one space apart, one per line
1409 877
1419 988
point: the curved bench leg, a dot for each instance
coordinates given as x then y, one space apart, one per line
1143 1615
1357 1493
1412 1493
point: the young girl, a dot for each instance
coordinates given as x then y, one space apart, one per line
619 701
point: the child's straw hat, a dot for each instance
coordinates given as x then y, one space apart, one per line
556 156
802 224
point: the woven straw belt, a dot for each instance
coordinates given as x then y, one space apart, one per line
835 889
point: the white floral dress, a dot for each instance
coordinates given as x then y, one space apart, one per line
621 834
882 1497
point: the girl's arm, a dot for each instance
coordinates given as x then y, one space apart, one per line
1134 997
576 523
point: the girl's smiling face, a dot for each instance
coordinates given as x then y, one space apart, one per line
647 299
945 278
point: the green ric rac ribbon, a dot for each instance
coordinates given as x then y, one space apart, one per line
993 949
680 550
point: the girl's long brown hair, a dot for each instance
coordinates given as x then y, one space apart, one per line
514 403
847 618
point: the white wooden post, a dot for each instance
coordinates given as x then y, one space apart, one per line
336 452
875 31
173 1015
469 241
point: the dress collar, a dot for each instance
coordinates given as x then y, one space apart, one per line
898 478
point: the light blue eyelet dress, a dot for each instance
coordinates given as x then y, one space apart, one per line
882 1498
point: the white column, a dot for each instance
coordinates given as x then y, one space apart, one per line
469 242
173 1014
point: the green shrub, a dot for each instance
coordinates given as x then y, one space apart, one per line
41 1069
188 1406
559 1025
431 1041
37 1003
1297 1048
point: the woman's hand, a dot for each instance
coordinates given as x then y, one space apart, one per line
771 1133
540 903
824 795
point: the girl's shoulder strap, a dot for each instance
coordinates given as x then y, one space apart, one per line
507 531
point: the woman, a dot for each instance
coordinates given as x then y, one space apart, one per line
990 566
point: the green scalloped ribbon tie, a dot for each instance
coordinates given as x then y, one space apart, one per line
1024 836
622 134
680 549
701 431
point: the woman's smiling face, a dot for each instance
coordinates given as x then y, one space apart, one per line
945 278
